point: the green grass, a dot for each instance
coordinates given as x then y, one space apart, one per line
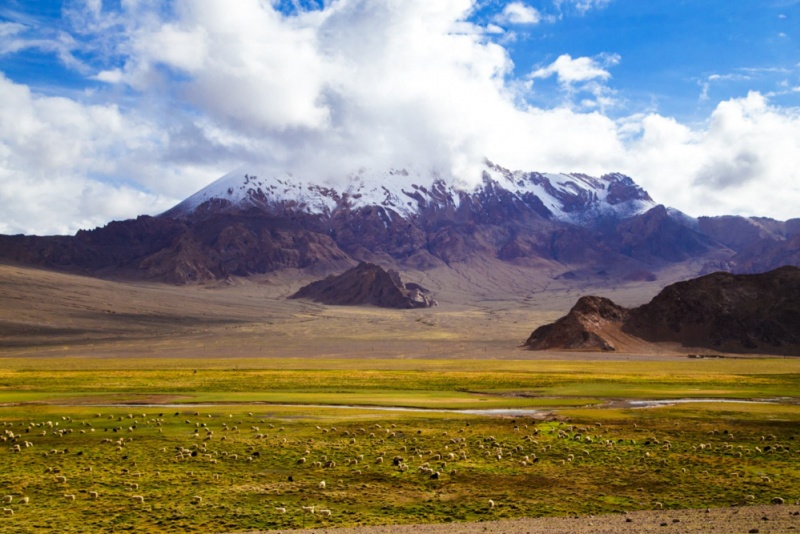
624 466
421 383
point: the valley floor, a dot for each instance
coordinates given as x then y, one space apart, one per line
219 406
484 313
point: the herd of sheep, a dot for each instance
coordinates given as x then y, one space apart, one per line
305 470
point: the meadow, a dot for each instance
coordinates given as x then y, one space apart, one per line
227 445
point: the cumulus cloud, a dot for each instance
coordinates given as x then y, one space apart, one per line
742 161
196 89
570 71
518 13
65 165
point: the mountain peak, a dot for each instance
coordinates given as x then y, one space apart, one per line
408 192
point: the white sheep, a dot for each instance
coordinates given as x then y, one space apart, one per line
308 509
280 509
8 511
197 499
61 478
322 485
137 498
491 504
69 496
326 513
7 499
94 495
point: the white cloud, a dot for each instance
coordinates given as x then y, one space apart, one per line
8 29
65 166
205 87
582 75
570 71
518 13
581 6
741 162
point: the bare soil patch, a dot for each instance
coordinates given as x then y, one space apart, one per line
755 519
485 312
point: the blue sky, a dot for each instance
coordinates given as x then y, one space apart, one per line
112 109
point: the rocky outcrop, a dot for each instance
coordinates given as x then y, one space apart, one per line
367 283
582 328
721 311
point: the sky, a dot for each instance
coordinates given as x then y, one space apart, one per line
111 109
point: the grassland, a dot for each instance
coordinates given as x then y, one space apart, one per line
215 436
406 383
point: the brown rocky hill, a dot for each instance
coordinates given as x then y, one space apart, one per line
586 327
721 311
366 283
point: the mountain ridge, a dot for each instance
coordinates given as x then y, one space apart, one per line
606 227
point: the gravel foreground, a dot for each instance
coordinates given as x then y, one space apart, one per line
770 519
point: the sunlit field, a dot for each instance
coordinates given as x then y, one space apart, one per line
236 445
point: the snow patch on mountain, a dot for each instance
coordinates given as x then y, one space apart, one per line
574 198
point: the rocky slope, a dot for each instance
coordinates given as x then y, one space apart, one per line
367 283
736 313
721 311
250 222
584 327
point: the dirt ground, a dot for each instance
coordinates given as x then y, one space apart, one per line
751 519
483 313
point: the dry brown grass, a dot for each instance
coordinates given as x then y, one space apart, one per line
485 311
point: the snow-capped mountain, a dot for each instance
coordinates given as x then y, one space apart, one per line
572 225
572 198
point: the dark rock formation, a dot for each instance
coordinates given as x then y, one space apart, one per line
366 283
722 311
582 328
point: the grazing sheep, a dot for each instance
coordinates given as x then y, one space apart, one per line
308 509
326 513
659 506
26 500
491 504
321 485
197 499
61 478
69 497
8 511
137 498
280 509
7 499
94 495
